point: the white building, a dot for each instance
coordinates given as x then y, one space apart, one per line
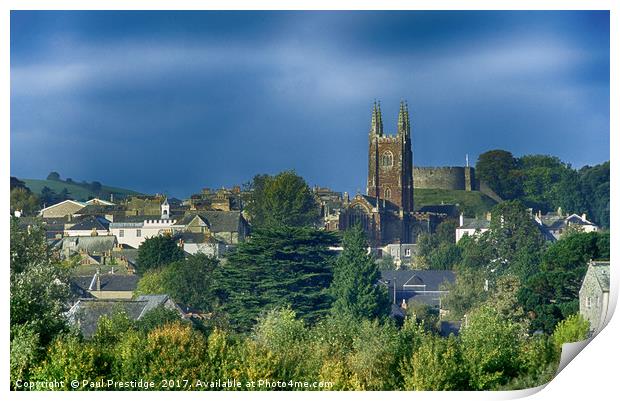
135 230
471 227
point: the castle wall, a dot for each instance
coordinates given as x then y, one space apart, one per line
453 178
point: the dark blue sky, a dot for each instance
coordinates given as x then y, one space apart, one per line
176 101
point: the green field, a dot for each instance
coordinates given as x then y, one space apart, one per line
76 192
471 203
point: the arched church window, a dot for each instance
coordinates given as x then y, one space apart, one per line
388 193
387 159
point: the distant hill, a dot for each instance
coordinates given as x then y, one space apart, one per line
471 203
77 191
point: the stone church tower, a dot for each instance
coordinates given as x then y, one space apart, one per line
390 161
386 212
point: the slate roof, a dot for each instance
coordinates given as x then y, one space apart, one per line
416 285
450 210
100 243
90 223
109 282
600 270
217 221
85 313
475 224
91 209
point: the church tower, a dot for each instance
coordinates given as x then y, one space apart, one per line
390 161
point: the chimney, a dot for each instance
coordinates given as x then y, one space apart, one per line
583 217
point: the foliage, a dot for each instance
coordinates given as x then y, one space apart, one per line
277 267
284 199
572 329
498 169
53 176
552 293
39 287
546 183
158 251
278 349
466 293
68 358
25 352
515 241
171 352
438 250
355 287
188 281
157 317
436 365
24 200
490 348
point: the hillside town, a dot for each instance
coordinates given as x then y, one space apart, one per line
102 240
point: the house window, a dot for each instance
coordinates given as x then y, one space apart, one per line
121 233
138 233
388 193
407 252
387 159
588 302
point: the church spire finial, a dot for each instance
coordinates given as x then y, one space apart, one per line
403 118
376 123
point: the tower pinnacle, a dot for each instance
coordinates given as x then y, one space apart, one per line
376 123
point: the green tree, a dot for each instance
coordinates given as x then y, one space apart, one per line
552 293
490 348
572 329
355 288
277 267
157 252
437 365
541 175
25 353
69 358
17 183
444 257
595 186
284 199
24 200
188 281
515 240
499 169
39 286
53 176
466 293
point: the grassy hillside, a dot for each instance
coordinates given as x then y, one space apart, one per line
471 203
76 192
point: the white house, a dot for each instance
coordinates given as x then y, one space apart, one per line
133 231
471 227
